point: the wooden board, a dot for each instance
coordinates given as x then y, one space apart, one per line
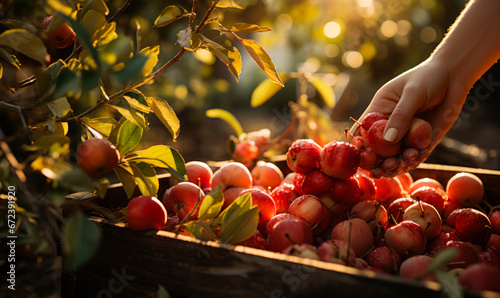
133 264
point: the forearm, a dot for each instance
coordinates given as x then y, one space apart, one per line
472 44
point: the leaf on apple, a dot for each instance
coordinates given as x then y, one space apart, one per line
239 220
212 204
201 230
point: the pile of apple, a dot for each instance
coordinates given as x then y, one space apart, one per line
329 208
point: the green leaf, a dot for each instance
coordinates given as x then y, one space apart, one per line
265 90
450 284
81 239
162 156
126 177
10 58
200 230
25 42
166 114
262 59
146 178
227 117
244 27
240 221
162 293
132 70
93 21
212 204
84 38
60 107
442 259
325 90
129 136
104 125
152 54
170 14
132 115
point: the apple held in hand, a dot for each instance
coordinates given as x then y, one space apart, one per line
339 159
303 156
368 121
376 141
419 134
97 156
146 213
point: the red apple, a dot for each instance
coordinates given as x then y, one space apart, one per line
303 250
397 208
303 156
245 152
434 196
266 174
449 207
481 277
199 173
316 183
313 211
283 195
387 189
466 254
368 157
386 259
265 205
466 189
494 243
426 216
368 120
357 233
289 231
275 219
407 237
419 134
471 225
255 241
232 174
146 213
336 251
298 181
376 141
406 181
367 187
425 182
373 213
185 196
495 221
231 194
339 160
415 267
61 37
96 156
345 191
437 244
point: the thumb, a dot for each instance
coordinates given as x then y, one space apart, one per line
400 118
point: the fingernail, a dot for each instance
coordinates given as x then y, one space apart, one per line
391 134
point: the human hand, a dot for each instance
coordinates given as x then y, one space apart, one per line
427 91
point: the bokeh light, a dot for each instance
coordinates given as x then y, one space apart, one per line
332 29
388 28
352 59
428 34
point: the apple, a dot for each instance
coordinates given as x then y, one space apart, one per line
265 205
283 195
471 225
495 221
199 173
387 189
313 211
466 189
419 134
466 254
397 208
437 244
480 277
434 196
356 232
384 258
303 156
425 182
245 152
231 194
260 137
415 267
379 145
336 251
289 178
368 121
255 241
426 216
96 156
367 157
366 186
303 250
316 183
494 243
406 181
232 174
298 182
275 219
373 213
146 213
266 174
61 37
490 256
345 191
407 237
449 207
339 159
289 231
186 196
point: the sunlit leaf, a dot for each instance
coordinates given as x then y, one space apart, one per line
240 221
146 178
200 230
244 27
46 141
60 107
126 177
227 117
1 70
92 22
212 204
105 34
152 54
170 14
137 105
97 5
161 156
24 42
325 91
262 59
132 115
81 239
265 90
222 47
166 115
116 51
129 136
240 4
59 6
103 125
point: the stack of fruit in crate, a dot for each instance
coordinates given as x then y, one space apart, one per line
330 208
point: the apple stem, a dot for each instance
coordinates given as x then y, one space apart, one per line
394 219
356 121
348 133
420 208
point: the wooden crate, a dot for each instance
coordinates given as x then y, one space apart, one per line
133 264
